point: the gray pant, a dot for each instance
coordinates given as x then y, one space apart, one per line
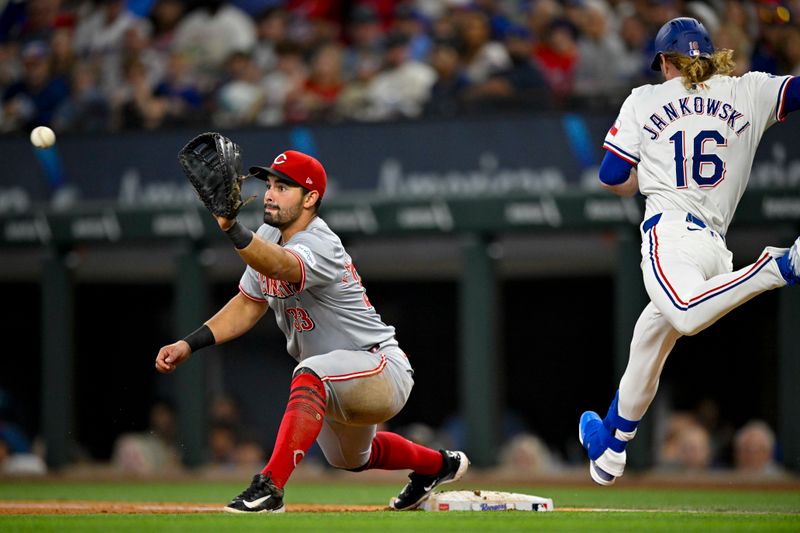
364 389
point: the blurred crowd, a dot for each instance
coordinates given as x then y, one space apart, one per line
696 443
155 450
108 65
693 443
699 441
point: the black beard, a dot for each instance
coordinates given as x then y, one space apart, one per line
290 214
268 220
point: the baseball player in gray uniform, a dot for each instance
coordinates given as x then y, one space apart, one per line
687 145
351 373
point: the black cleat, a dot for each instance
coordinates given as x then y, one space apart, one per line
262 496
420 487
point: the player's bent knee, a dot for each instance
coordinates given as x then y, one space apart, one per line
686 325
687 330
361 468
351 464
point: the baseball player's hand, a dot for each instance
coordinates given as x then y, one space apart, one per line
171 355
224 223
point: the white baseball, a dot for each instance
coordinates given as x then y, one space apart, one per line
43 137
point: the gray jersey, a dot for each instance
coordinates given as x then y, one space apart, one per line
329 309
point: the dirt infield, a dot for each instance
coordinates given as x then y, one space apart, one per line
86 507
55 507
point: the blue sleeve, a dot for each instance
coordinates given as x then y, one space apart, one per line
791 102
614 170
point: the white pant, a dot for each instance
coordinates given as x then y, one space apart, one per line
688 275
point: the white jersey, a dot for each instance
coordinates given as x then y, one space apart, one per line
694 148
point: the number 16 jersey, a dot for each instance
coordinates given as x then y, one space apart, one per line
694 148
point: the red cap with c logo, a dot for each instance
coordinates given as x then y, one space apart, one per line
298 167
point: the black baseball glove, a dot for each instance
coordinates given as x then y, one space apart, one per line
213 164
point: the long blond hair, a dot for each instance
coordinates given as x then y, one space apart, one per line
698 69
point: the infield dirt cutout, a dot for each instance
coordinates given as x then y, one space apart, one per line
72 507
41 507
56 507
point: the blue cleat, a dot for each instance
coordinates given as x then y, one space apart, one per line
789 263
590 431
592 434
605 441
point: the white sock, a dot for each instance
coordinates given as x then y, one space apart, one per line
624 435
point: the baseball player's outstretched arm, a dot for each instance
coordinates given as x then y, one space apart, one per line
272 260
237 317
265 257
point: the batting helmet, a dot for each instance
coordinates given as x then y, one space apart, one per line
683 35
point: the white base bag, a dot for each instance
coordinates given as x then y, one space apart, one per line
485 500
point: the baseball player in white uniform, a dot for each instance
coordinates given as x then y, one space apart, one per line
351 373
687 145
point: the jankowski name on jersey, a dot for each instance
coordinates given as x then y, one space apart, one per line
693 106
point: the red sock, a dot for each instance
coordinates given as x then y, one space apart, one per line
390 451
300 426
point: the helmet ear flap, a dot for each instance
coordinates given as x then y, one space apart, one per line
656 64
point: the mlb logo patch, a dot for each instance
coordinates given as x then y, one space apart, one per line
694 49
615 128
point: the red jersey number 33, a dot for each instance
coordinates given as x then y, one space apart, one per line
300 319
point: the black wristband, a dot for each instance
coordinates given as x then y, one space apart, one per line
200 338
240 235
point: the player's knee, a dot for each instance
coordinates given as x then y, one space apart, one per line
361 468
340 456
686 325
353 464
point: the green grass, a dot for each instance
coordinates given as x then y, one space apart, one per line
653 510
378 494
357 522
